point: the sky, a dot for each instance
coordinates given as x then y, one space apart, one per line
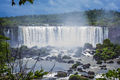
55 6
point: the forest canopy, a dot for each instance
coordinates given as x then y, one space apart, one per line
94 17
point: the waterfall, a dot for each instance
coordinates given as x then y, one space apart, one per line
59 36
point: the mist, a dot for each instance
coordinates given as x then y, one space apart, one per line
76 19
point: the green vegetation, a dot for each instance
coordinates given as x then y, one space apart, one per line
22 2
61 74
6 68
77 77
103 18
94 17
74 66
111 75
107 50
4 54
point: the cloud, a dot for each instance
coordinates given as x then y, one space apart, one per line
52 2
55 6
98 2
112 6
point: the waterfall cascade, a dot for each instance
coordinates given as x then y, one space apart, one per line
60 36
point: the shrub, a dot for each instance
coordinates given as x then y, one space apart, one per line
74 66
77 77
107 51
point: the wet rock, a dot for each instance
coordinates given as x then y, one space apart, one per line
56 58
66 57
74 66
103 66
93 52
64 61
110 62
80 70
70 71
30 52
71 61
51 58
85 66
91 76
99 62
79 63
77 77
118 62
80 59
38 59
91 73
61 74
88 46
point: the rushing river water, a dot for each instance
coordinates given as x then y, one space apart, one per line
62 37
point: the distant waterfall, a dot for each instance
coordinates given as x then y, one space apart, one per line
59 36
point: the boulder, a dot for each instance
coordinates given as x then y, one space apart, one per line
85 66
79 69
110 62
103 66
91 73
88 46
118 62
77 77
79 63
70 71
66 57
61 74
91 76
74 66
99 62
71 61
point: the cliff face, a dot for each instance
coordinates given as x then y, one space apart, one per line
114 34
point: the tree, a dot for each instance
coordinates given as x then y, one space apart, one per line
7 62
111 75
22 2
107 50
4 54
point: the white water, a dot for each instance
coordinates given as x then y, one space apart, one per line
61 36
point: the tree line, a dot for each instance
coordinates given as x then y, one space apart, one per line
96 17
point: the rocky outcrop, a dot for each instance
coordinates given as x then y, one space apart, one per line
71 61
61 74
85 66
91 73
103 67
